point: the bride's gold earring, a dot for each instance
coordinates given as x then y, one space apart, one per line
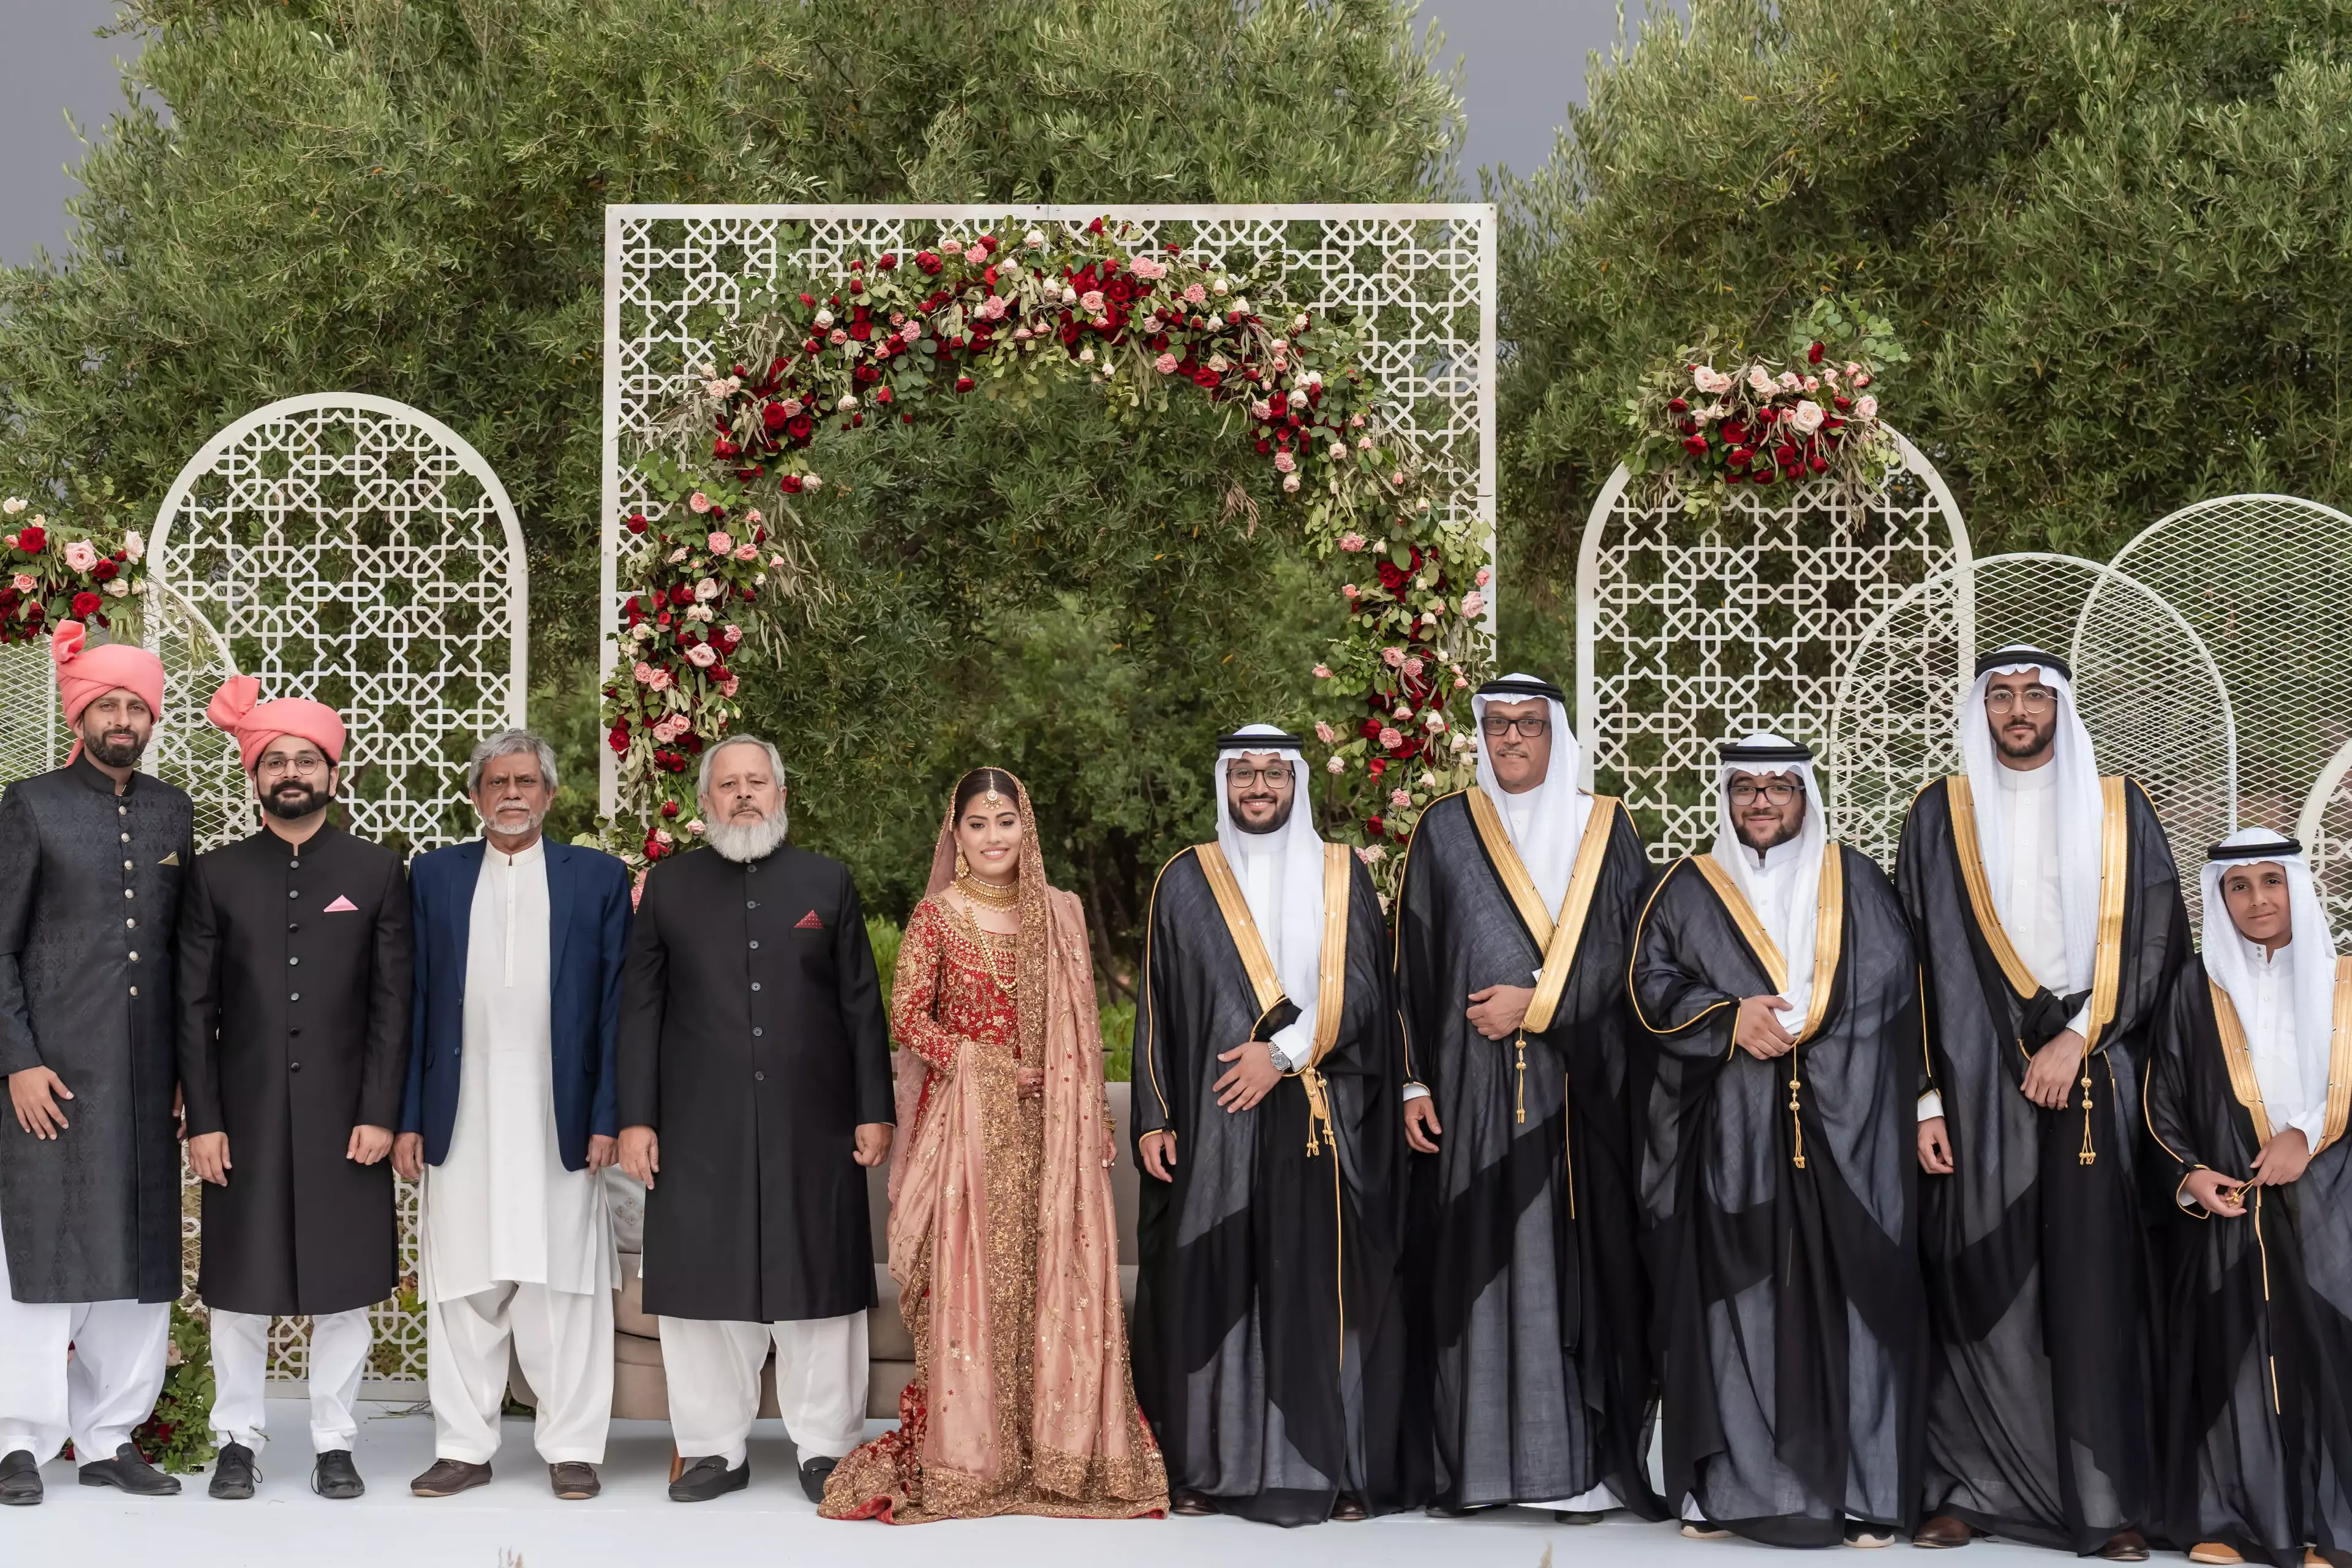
963 866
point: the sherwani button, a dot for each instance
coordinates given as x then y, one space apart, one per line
128 894
759 1078
134 991
126 865
130 922
757 1031
293 960
750 904
294 996
293 892
755 943
755 985
134 958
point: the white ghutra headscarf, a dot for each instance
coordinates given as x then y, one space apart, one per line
1783 884
2291 1061
1555 810
1281 875
2081 812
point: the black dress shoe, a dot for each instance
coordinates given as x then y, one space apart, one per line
20 1480
128 1472
708 1479
574 1481
334 1477
233 1473
1349 1509
1579 1515
1192 1505
2126 1546
814 1473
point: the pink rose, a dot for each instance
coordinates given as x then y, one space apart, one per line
132 549
1349 591
1474 603
1165 365
810 482
644 673
1485 575
1352 543
1284 462
1091 301
1814 383
1196 295
80 556
1708 379
1413 668
1335 765
747 552
1865 407
1399 799
1760 380
25 585
1807 417
720 543
1392 656
1290 484
1325 733
1460 681
1389 739
661 681
726 687
1437 606
1322 672
1338 451
708 588
1437 721
698 503
702 656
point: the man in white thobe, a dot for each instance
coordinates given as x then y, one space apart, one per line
508 1122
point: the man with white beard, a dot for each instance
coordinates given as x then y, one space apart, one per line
755 1083
510 1111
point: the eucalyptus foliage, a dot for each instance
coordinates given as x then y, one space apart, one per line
406 198
2115 236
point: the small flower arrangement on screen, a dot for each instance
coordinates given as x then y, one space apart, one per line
1721 418
49 573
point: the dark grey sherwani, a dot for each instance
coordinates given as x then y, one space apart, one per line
89 890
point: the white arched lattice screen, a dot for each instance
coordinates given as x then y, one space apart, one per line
356 551
1419 278
1694 629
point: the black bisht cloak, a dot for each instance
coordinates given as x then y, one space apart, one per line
296 972
1269 1335
2256 1355
1529 1305
752 1042
2039 1413
90 887
1782 1246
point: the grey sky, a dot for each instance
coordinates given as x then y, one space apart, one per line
1524 60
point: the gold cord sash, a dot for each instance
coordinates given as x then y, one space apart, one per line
1829 942
1557 939
2240 1060
1266 982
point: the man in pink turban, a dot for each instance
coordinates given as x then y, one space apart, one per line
294 974
89 1171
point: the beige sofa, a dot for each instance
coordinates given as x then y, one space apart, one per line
641 1393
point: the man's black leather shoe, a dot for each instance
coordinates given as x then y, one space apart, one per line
233 1473
335 1477
708 1479
814 1473
20 1480
127 1472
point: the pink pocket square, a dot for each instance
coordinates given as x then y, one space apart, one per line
341 906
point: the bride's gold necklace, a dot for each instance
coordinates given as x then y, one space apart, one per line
989 895
994 896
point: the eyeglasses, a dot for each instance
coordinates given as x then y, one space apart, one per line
1496 727
1245 777
308 766
1778 794
2038 699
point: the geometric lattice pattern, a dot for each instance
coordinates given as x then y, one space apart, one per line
1420 278
2144 682
1695 627
351 550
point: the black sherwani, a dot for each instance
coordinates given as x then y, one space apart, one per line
1530 1373
2255 1361
1269 1339
1792 1323
90 885
753 1041
2039 1421
294 970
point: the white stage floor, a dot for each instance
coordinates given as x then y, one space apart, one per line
517 1520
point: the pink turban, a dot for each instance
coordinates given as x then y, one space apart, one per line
87 674
236 708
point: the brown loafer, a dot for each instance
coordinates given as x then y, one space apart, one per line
574 1481
1191 1505
1943 1531
1349 1509
2126 1546
447 1477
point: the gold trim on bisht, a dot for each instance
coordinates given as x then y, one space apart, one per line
1829 944
1557 939
2240 1062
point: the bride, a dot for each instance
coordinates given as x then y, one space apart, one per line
1003 1238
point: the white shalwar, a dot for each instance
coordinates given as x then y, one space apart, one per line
515 1249
100 1394
713 1370
339 1352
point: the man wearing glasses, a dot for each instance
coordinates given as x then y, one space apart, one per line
294 974
2049 922
1774 975
1530 1306
1269 1339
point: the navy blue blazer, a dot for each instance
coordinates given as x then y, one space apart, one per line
588 940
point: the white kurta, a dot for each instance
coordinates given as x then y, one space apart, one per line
2268 1016
1262 874
501 1209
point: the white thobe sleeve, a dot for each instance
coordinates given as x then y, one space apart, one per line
1931 1105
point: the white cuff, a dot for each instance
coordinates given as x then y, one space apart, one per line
1931 1105
1413 1091
2311 1124
2080 1022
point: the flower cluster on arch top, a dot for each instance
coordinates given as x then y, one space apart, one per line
903 336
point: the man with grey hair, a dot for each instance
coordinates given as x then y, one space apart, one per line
755 1083
510 1113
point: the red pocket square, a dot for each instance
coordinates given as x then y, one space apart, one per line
341 906
808 923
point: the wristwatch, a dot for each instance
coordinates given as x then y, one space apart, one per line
1274 1058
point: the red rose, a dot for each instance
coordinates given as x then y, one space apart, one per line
773 417
1377 766
1096 226
864 372
1392 576
85 604
1735 433
1841 403
619 737
965 384
1687 426
104 571
891 260
1694 444
1819 465
1369 728
858 286
1784 455
930 263
1814 354
1677 406
1264 447
1740 457
682 595
723 448
637 524
1762 477
800 428
790 484
1069 332
881 394
1766 415
809 300
1119 289
1372 826
861 331
857 422
1731 477
1205 377
31 540
33 610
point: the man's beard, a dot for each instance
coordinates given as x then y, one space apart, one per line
745 842
292 801
1280 820
116 749
1792 832
2043 736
